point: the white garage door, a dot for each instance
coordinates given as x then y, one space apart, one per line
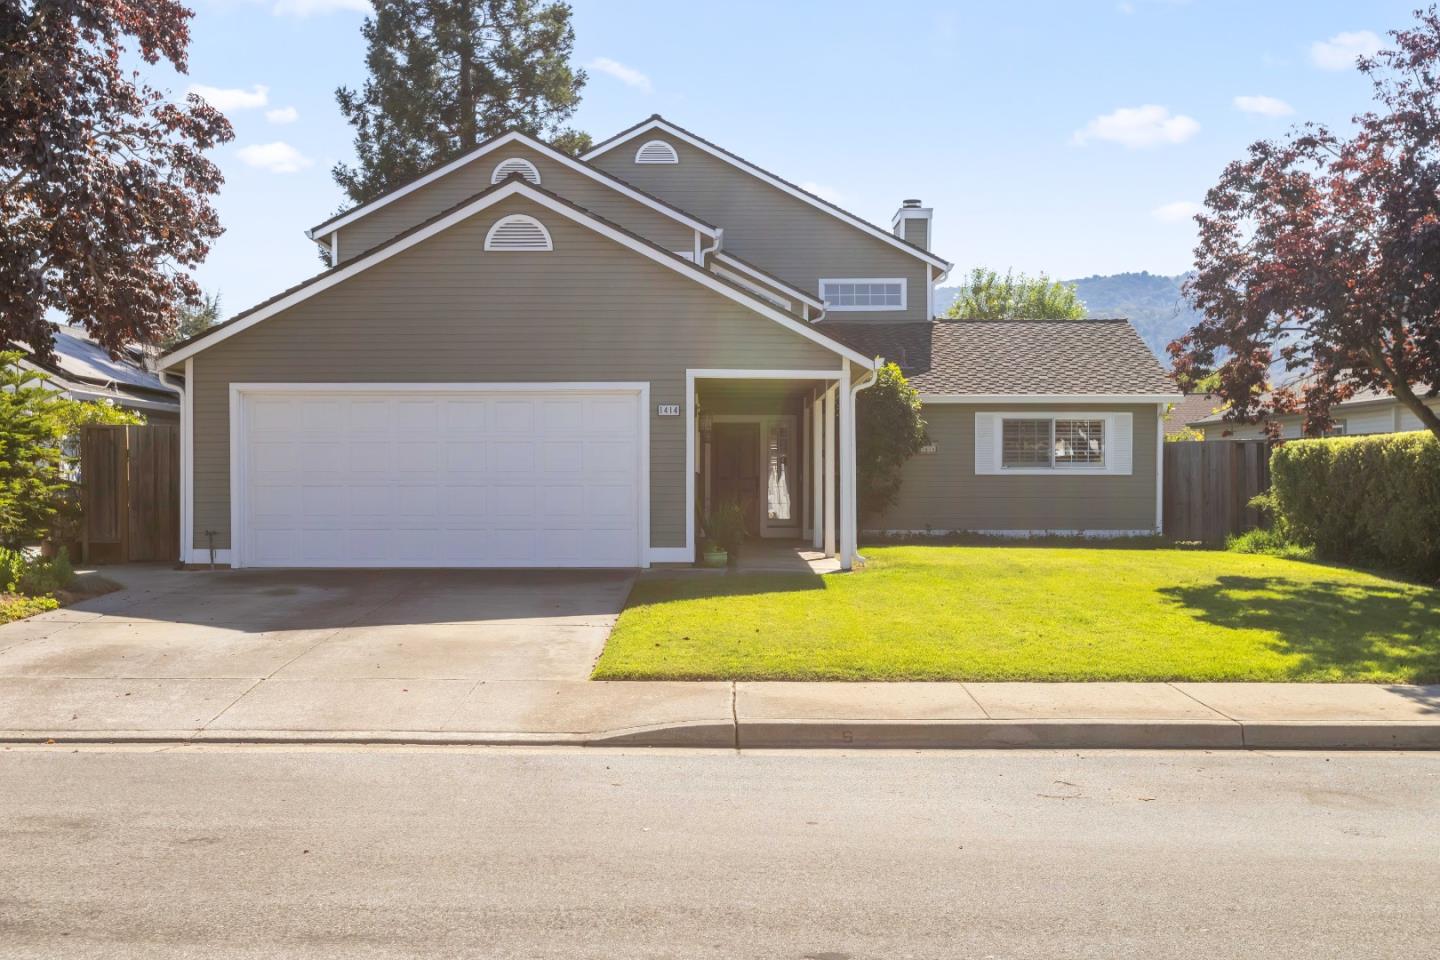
394 477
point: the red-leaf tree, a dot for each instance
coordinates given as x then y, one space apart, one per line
104 186
1322 251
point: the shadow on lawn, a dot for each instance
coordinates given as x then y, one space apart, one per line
1335 627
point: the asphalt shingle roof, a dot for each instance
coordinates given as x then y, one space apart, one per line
995 357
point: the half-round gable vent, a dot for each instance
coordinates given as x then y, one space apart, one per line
656 151
515 165
518 233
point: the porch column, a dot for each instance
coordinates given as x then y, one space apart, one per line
847 469
817 473
830 471
802 491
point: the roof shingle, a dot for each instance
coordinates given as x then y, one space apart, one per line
1014 357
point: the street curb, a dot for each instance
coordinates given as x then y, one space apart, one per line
844 734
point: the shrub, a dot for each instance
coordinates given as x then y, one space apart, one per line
888 431
44 576
18 608
1270 543
1370 501
726 526
12 569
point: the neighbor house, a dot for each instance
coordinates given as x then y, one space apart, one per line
1369 411
83 370
524 358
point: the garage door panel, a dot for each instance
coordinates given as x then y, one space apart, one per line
406 478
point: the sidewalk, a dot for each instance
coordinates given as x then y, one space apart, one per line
730 715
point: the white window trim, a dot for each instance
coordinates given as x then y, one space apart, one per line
674 154
517 218
1112 465
904 294
530 169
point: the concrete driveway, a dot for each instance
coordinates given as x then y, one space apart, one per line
246 652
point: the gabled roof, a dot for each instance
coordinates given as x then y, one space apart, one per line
657 122
341 220
511 186
979 360
1362 397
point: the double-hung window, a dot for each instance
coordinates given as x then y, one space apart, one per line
884 293
1043 443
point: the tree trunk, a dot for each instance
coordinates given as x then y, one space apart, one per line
1401 390
466 84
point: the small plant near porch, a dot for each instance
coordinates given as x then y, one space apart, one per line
888 431
724 532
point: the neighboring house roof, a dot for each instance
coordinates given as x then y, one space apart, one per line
347 217
1360 399
1189 410
1089 360
657 122
511 186
85 370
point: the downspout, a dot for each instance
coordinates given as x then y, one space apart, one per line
706 251
853 500
182 388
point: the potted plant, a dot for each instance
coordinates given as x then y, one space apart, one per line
724 531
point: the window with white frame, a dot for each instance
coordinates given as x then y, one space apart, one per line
884 293
1051 442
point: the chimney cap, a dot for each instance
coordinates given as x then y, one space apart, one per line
910 204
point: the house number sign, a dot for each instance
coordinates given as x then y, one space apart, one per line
667 410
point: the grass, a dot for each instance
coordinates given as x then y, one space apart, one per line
1033 613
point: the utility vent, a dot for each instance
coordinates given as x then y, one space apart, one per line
513 166
518 233
656 151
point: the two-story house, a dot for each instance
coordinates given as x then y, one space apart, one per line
524 358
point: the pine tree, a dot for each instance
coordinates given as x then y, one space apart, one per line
446 75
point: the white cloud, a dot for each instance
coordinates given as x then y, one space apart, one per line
1177 211
282 115
1340 51
318 8
1264 106
626 75
277 157
227 99
822 191
1135 127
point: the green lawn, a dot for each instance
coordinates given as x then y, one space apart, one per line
1033 613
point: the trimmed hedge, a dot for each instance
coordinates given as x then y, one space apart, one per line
1369 501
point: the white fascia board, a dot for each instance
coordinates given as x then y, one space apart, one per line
766 278
364 210
1073 398
519 187
911 213
773 181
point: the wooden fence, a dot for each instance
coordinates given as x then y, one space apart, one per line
130 493
1208 484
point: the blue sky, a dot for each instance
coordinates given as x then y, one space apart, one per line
1071 136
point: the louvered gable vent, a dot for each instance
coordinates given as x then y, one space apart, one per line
515 165
518 233
656 151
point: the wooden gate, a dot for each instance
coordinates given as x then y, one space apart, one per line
1208 486
130 493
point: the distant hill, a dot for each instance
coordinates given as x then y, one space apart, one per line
1149 300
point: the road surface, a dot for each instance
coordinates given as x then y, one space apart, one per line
212 852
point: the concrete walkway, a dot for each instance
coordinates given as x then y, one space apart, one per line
450 657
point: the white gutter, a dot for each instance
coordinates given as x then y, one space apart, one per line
852 500
706 251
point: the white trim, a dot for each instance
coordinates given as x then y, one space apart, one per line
833 308
766 278
982 398
774 181
911 213
753 287
671 157
544 149
1162 409
524 167
187 463
510 189
848 539
671 555
334 248
817 470
831 471
238 391
517 219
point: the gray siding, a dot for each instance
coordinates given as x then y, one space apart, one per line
773 230
917 231
446 311
599 198
941 491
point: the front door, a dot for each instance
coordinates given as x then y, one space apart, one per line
737 470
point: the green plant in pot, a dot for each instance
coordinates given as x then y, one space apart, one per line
724 532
